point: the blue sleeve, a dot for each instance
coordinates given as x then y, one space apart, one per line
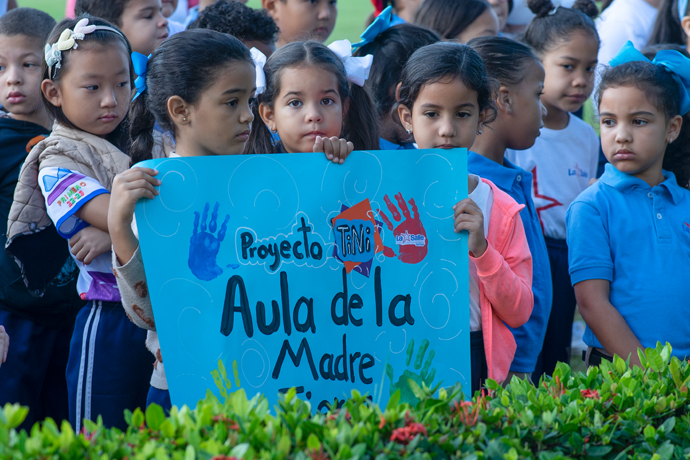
589 250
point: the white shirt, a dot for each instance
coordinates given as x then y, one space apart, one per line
483 196
180 13
624 20
175 27
562 163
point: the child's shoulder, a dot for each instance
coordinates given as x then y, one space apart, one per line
502 200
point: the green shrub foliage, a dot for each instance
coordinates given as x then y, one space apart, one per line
613 411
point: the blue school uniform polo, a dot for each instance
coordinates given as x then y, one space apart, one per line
517 183
638 238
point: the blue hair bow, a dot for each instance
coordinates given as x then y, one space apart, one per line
140 63
382 23
672 61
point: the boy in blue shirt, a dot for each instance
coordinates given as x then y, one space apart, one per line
39 322
629 234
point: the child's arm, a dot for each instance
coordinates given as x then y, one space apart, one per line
95 212
507 278
128 264
89 243
128 188
336 150
4 344
605 321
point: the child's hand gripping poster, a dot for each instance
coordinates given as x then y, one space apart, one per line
268 272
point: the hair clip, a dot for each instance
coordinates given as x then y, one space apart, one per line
140 64
382 23
259 59
356 68
670 60
68 41
554 10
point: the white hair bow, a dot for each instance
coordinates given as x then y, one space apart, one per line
356 68
259 59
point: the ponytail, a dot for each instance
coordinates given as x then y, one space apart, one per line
677 155
260 139
141 130
361 120
667 28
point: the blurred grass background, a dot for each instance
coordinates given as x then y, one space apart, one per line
350 23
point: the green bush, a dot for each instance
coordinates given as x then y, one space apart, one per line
609 412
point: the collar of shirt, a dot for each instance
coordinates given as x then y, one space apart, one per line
504 176
627 183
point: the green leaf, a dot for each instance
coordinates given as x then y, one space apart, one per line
598 451
190 453
418 392
643 358
239 450
394 401
137 418
655 360
649 432
313 442
492 384
667 426
167 429
154 416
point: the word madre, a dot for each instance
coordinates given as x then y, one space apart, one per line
302 246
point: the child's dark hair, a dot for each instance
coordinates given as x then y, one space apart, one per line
667 28
448 61
391 50
184 65
361 123
651 50
101 37
554 25
237 19
506 60
110 10
661 90
28 22
449 17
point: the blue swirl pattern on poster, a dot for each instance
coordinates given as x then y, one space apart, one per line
291 271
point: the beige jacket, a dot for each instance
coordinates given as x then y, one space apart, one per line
42 255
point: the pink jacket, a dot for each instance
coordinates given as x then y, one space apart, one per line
505 282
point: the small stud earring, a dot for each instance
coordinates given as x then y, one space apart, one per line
510 110
479 132
184 119
670 140
409 131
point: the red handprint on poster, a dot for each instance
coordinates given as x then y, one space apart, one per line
410 236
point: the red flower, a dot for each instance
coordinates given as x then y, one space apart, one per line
587 393
557 390
407 433
382 423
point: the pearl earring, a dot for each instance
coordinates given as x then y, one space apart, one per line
184 119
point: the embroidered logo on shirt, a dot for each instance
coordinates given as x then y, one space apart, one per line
577 172
686 227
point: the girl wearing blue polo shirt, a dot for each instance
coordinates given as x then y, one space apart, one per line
629 234
520 113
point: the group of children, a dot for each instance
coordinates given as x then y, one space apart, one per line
86 99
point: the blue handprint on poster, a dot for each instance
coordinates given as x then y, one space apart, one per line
296 272
204 246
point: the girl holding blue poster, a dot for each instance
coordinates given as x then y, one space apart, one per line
207 116
445 100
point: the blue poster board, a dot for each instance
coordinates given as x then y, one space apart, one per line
290 271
